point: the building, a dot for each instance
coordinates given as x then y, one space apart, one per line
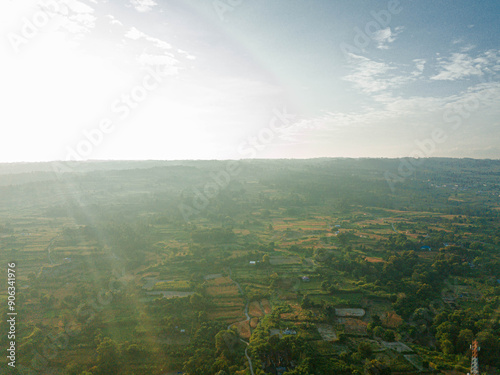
289 332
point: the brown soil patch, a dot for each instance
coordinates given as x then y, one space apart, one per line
230 316
243 329
266 306
354 326
255 310
242 231
222 286
392 320
297 314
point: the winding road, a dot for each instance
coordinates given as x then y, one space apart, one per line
248 357
49 248
247 319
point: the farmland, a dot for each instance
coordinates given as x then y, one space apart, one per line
294 258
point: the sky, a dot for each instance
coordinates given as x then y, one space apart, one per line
239 79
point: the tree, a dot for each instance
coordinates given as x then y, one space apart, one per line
107 357
447 347
365 349
376 320
375 367
490 346
464 340
134 351
325 285
265 259
306 302
197 300
226 343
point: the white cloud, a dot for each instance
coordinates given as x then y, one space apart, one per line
419 66
143 5
374 77
461 65
395 126
169 61
136 34
74 17
467 48
113 20
155 52
385 36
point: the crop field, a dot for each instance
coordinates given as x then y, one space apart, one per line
327 332
275 261
126 266
353 326
254 309
350 312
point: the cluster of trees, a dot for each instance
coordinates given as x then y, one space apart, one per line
415 285
455 330
298 354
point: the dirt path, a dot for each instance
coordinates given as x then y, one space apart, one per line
248 319
49 248
248 357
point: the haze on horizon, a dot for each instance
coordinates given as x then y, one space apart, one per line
232 79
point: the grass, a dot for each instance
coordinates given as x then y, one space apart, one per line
180 285
338 299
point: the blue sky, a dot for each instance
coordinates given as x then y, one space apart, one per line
231 79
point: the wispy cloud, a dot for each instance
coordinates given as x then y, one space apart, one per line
113 20
419 66
462 65
385 36
78 19
143 5
136 34
374 77
405 120
159 52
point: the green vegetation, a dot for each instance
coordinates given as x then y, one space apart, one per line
138 268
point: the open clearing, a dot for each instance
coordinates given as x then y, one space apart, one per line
327 332
169 294
350 312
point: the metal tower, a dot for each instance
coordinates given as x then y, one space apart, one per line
474 365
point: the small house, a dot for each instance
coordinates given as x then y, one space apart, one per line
306 278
